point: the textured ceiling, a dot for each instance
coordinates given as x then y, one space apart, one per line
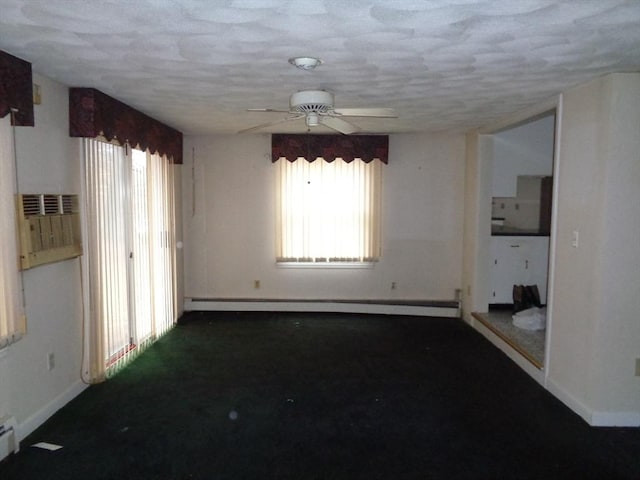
198 65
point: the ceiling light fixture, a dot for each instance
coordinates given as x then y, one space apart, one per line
312 120
305 63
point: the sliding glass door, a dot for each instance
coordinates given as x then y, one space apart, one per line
129 253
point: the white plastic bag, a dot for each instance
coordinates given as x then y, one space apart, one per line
531 319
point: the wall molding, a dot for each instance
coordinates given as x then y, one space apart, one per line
594 418
508 350
38 418
615 419
569 400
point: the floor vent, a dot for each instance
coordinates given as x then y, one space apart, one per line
9 442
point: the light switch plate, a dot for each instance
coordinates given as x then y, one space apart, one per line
575 239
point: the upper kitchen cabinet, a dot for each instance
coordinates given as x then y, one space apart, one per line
523 150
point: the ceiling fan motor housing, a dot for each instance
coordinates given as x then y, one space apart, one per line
311 101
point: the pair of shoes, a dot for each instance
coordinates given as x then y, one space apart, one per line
525 297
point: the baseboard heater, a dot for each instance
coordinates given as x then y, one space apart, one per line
9 442
425 308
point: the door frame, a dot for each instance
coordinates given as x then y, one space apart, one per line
478 192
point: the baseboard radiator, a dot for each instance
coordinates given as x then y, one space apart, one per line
9 442
436 308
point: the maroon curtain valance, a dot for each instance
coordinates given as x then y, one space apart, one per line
330 147
93 113
16 89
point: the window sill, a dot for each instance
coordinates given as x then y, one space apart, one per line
327 265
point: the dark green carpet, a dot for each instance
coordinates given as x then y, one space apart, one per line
322 396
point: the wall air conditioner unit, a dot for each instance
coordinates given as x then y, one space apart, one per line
49 227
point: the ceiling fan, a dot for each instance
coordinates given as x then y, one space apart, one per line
317 108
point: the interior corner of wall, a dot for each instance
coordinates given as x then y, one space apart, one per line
570 400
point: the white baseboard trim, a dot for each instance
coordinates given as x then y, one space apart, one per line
615 419
593 417
508 350
42 415
569 400
386 308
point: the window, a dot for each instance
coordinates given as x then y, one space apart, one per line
328 212
12 320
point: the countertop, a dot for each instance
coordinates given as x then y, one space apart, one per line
517 233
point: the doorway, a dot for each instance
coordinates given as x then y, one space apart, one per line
522 163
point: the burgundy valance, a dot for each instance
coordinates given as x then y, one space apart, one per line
330 147
16 89
93 113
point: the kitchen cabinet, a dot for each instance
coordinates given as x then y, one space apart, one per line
517 260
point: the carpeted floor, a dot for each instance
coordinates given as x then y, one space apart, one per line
322 396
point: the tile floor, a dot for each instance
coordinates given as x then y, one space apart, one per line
529 343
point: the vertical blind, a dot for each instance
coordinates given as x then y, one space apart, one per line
328 212
129 254
162 268
12 320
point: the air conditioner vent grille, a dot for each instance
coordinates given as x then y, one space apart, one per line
50 204
312 108
70 204
31 204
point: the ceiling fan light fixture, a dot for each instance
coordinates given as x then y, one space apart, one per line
305 63
312 120
317 108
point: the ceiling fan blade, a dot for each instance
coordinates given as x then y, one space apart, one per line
267 110
366 112
340 125
269 124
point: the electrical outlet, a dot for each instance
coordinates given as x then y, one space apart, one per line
51 361
637 367
393 285
256 284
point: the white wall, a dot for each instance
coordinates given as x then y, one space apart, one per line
523 150
47 163
477 226
594 337
596 333
229 224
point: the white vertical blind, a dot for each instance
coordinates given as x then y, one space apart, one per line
107 251
153 245
328 212
12 320
129 207
161 242
140 254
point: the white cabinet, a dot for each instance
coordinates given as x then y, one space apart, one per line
517 260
